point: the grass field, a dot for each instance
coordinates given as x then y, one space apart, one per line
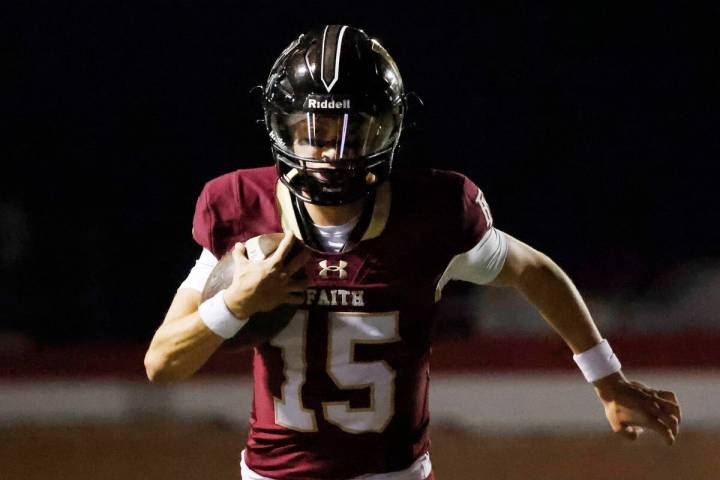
161 450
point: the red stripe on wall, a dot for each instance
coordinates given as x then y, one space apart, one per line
475 354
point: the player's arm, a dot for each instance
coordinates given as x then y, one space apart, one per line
184 341
550 290
629 406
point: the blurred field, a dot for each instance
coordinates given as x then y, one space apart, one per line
161 450
90 414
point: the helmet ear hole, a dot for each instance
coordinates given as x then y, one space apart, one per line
334 100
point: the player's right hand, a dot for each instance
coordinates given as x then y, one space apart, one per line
262 285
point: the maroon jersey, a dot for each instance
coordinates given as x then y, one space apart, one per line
342 391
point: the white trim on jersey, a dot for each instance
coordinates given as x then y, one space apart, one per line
200 272
204 265
419 470
480 265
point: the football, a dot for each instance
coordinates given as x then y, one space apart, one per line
263 325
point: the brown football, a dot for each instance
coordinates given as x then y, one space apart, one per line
263 325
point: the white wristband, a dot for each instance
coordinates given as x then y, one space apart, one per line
217 316
598 362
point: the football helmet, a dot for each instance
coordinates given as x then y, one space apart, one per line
334 104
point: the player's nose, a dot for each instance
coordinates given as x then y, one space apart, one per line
329 153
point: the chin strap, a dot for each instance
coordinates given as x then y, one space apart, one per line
309 232
363 223
305 225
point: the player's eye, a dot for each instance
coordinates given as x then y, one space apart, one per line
325 144
352 146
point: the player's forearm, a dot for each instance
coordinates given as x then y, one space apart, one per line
557 299
552 293
179 348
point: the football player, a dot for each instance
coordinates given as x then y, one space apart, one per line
341 391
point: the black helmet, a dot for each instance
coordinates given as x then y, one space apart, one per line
334 105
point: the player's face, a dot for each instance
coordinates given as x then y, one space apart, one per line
333 152
325 138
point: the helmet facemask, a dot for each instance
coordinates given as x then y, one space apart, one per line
333 158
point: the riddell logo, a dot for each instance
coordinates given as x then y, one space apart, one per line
328 104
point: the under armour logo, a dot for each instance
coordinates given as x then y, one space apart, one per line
339 268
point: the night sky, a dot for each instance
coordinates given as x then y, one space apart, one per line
591 130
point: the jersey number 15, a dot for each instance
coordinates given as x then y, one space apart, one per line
345 330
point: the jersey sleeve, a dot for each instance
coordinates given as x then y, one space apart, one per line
483 248
218 220
476 220
199 273
234 207
204 222
482 263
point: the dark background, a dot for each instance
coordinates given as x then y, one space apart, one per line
591 129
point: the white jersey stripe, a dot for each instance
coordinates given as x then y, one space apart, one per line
200 272
480 265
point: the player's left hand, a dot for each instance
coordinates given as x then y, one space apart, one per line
631 407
